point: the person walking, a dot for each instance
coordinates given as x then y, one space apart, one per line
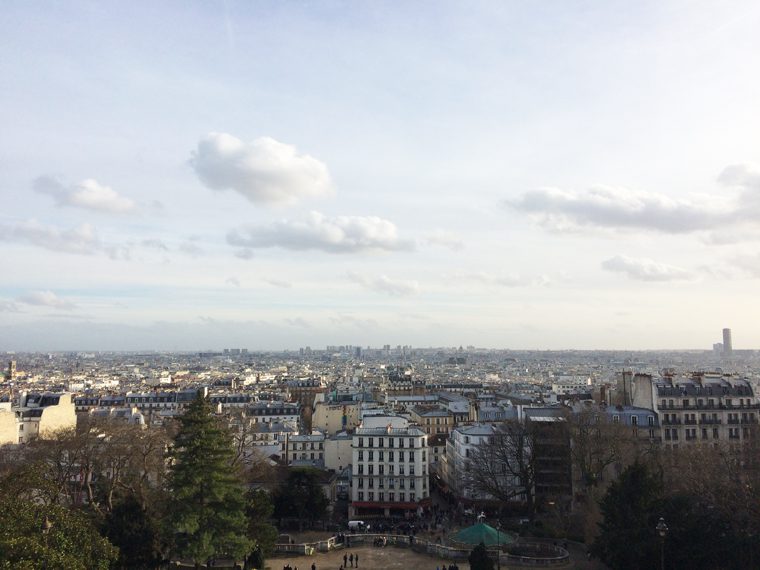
356 559
345 560
351 560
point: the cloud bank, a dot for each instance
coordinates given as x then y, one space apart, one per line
645 269
46 299
265 171
81 240
341 234
383 284
604 207
88 194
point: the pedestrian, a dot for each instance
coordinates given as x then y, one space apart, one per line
345 560
313 566
351 560
356 558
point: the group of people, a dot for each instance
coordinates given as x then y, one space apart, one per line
350 558
450 567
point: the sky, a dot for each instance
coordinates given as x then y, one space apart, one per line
278 174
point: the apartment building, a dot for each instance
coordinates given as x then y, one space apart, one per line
37 415
705 408
389 469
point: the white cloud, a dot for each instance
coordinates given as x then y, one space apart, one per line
341 234
646 269
277 282
81 239
244 253
383 284
621 208
191 249
502 280
46 299
234 281
88 194
8 307
265 171
604 207
154 244
445 239
749 264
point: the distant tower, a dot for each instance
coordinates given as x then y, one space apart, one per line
11 374
727 348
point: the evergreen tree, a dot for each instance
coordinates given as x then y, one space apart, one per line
479 558
208 516
131 528
631 508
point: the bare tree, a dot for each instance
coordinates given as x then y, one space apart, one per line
503 467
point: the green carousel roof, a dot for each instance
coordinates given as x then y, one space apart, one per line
481 532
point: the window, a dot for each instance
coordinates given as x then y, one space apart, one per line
411 484
390 455
411 469
390 442
371 469
650 420
361 442
634 420
381 455
371 483
402 497
411 497
400 469
391 497
361 455
616 419
382 469
361 483
411 456
715 433
381 496
361 495
371 495
361 469
371 442
380 441
371 455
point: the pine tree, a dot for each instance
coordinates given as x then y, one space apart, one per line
208 498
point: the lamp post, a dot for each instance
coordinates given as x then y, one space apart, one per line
498 545
45 529
662 530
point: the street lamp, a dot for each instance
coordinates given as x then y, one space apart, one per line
662 530
498 545
45 529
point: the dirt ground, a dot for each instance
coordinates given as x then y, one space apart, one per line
370 558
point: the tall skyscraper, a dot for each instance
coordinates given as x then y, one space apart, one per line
727 348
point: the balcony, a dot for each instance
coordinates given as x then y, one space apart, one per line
706 421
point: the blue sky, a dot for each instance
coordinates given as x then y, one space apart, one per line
280 174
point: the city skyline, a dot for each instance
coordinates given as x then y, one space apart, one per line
274 176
